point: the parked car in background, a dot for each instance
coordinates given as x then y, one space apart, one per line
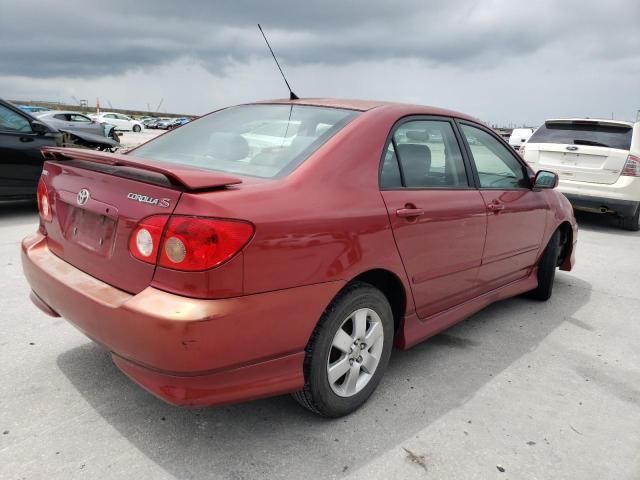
598 162
519 136
121 122
165 124
218 269
160 120
178 122
75 121
21 137
32 108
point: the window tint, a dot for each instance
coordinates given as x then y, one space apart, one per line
109 115
61 116
224 141
429 156
584 133
11 121
496 165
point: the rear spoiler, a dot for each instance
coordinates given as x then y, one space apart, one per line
185 177
601 123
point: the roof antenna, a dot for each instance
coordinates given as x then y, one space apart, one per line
292 96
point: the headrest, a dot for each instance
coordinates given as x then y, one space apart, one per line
417 135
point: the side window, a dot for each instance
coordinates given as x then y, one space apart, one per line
76 117
109 115
497 167
61 116
428 154
12 121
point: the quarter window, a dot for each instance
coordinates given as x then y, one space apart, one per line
496 165
428 155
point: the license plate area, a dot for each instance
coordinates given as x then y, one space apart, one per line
91 226
90 230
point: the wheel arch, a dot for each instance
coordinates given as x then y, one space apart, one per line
391 286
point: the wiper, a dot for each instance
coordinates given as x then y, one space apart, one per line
589 142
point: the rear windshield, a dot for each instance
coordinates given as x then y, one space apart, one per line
265 141
587 133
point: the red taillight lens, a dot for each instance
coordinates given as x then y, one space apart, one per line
188 243
44 202
631 167
145 239
195 243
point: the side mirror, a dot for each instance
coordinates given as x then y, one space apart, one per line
39 127
545 179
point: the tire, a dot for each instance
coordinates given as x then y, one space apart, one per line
344 394
631 222
137 128
547 269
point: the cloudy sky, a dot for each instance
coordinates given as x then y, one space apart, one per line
500 60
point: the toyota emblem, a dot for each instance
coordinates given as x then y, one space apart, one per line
83 196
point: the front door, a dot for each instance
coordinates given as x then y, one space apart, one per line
438 219
516 214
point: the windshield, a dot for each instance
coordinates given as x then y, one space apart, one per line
265 141
585 133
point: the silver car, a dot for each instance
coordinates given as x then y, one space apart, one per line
75 121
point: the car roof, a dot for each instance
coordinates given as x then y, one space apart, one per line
58 112
365 105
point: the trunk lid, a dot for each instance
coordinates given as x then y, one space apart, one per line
593 151
97 201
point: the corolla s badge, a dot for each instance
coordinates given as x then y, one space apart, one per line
573 149
83 196
160 202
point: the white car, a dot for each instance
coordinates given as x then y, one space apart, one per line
519 136
120 121
598 162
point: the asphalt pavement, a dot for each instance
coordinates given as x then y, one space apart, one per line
521 390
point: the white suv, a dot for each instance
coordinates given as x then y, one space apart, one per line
598 162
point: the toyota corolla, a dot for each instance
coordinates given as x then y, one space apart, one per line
217 268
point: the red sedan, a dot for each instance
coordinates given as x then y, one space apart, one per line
287 246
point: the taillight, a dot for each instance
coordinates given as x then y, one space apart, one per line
632 166
145 239
44 202
188 243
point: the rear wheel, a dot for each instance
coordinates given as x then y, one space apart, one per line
136 128
547 269
631 222
348 352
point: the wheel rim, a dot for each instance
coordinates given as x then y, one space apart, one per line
355 352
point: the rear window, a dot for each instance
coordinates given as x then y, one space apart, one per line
586 133
266 141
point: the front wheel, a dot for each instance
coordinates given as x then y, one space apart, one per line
348 352
137 128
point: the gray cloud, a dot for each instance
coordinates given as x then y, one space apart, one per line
82 39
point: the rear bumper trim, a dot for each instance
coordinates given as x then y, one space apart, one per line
589 203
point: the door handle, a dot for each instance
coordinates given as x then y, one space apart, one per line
409 212
26 139
495 207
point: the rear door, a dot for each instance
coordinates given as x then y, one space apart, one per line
581 150
516 214
438 218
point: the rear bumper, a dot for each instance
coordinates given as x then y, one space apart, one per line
624 208
621 197
186 351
